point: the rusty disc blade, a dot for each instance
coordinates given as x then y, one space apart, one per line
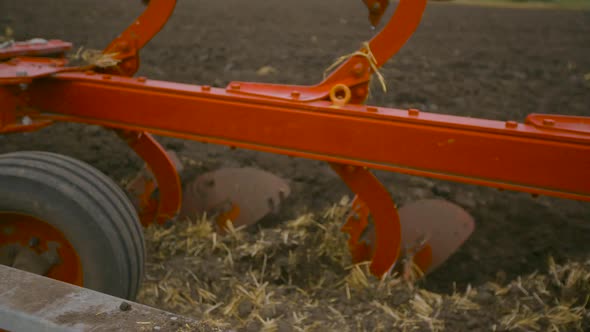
442 225
250 192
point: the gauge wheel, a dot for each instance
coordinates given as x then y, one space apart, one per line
62 218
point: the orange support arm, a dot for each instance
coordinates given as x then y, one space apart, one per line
127 45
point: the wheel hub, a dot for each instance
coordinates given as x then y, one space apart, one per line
33 245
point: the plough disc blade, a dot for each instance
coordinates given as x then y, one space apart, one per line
443 226
242 195
431 231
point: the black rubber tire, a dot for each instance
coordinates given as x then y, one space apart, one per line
87 207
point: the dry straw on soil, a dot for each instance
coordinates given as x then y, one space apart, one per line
298 277
96 58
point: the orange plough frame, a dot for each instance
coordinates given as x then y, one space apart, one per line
545 155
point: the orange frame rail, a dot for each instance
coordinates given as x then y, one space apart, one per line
507 155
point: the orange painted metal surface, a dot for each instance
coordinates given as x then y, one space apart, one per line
35 48
24 70
166 206
127 45
11 99
560 123
361 249
423 258
126 49
376 197
16 228
356 223
475 151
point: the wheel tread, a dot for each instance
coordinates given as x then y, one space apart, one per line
110 200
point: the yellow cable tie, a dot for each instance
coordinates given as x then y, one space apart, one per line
370 58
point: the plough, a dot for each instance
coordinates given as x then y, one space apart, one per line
61 218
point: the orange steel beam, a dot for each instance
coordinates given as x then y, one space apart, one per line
547 158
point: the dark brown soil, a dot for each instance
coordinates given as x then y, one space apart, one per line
470 61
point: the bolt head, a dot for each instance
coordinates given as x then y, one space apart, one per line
26 121
358 69
360 92
413 112
549 122
123 46
511 124
34 241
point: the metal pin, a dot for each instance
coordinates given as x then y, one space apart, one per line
26 121
34 241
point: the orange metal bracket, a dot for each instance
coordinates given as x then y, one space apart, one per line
560 123
167 205
387 228
24 69
355 224
126 48
32 48
127 45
